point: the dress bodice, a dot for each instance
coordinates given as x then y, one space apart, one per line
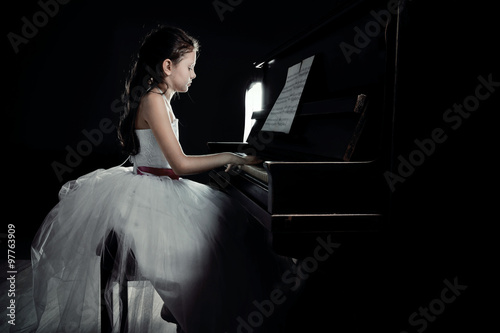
150 154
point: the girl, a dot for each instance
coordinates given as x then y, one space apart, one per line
189 242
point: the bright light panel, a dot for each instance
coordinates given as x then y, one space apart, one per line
253 102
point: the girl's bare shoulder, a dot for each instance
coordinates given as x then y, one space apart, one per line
152 100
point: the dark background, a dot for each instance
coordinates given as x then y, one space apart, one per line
443 217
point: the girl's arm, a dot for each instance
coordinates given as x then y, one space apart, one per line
154 112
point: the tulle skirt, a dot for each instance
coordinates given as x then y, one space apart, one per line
180 240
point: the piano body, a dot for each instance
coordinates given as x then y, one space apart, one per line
327 173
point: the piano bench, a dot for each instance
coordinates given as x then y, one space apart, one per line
107 250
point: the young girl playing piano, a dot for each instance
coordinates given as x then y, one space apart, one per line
191 243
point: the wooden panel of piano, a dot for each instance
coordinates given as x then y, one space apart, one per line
327 174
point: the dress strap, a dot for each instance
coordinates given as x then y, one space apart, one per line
166 104
129 158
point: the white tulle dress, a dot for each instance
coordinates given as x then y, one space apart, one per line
193 246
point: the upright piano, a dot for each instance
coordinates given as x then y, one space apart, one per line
327 173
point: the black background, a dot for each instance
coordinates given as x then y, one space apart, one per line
443 218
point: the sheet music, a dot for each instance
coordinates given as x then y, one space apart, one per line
281 116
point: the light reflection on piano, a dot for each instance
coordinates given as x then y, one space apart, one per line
253 102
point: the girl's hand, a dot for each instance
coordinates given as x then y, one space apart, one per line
243 159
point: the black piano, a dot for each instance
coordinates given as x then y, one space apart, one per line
327 173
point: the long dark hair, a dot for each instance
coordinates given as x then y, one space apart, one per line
146 73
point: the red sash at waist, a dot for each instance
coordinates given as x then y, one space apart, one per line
157 172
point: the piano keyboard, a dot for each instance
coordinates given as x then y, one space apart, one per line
256 171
